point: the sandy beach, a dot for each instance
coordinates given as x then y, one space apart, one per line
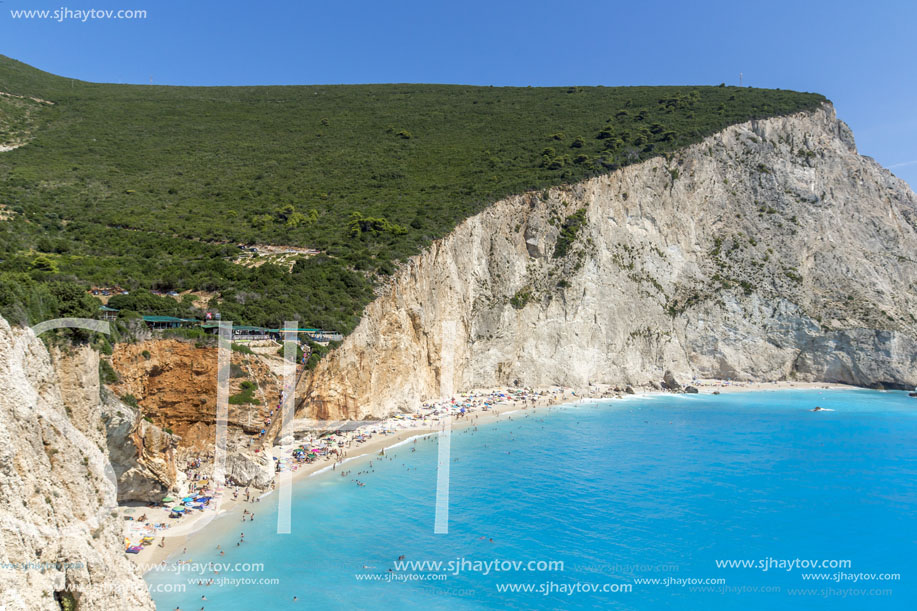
709 386
229 511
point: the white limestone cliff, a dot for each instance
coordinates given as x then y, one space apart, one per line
59 541
770 251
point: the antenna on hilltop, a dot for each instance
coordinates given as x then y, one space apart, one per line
151 79
740 79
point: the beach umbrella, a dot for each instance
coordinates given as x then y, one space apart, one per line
167 499
187 498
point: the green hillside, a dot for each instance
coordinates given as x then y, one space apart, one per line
153 187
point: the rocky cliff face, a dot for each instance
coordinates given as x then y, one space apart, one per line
175 385
771 250
59 541
141 454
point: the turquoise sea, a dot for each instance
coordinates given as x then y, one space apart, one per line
622 493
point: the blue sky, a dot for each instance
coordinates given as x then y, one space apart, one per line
860 55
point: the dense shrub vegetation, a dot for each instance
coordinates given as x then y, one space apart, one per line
25 299
152 187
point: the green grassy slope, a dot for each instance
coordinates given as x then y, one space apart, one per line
154 187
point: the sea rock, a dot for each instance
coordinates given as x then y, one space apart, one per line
737 257
691 390
669 382
629 390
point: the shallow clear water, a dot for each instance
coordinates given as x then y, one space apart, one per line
646 488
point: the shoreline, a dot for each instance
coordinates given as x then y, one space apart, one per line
230 507
155 556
